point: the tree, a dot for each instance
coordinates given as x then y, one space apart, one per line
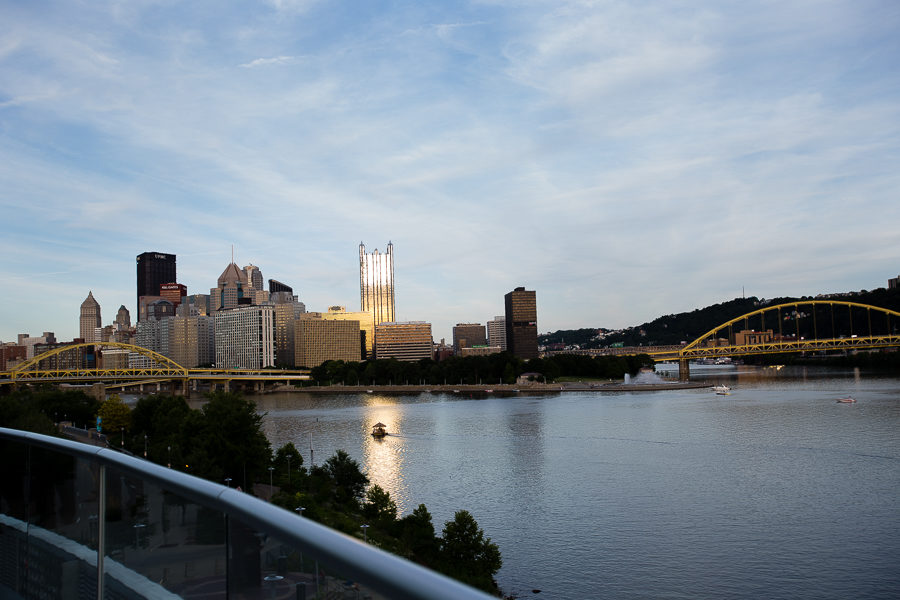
379 507
114 415
417 536
349 480
229 435
288 465
467 555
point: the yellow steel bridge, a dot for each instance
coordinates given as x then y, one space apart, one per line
63 365
803 326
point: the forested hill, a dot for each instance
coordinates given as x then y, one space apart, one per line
687 326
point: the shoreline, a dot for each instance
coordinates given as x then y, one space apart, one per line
500 388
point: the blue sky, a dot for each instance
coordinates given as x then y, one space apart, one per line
624 159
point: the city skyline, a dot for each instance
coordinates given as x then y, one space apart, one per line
625 161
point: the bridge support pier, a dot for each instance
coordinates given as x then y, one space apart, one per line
684 369
98 391
227 385
185 389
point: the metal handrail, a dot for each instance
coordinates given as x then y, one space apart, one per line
383 572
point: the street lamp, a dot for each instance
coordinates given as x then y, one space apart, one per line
228 481
271 487
365 529
145 445
289 469
170 456
123 437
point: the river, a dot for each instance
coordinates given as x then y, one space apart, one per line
774 491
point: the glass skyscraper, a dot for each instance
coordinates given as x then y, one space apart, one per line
376 283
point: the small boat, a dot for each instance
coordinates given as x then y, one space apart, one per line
847 400
370 391
378 430
722 390
489 391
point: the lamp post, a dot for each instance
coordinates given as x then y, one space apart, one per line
170 456
145 445
123 437
289 469
228 481
365 529
271 487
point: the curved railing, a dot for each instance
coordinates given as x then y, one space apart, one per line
164 533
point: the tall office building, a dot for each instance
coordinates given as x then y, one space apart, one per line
521 323
496 332
173 292
410 341
123 319
89 321
231 289
287 311
245 337
376 283
466 335
153 270
366 327
317 340
277 286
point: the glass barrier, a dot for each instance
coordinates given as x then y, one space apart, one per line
158 533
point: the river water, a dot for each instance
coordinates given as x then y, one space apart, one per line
774 491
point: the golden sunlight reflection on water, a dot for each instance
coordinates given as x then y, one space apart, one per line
383 458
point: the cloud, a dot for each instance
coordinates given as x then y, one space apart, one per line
264 62
592 151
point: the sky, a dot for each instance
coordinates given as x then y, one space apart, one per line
624 159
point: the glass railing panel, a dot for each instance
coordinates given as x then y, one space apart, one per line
13 518
271 568
60 497
160 544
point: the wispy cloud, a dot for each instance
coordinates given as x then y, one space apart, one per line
265 62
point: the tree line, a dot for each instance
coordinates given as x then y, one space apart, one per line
502 367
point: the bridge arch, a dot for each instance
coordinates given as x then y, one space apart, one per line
165 365
794 312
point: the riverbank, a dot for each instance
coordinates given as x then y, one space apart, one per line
500 389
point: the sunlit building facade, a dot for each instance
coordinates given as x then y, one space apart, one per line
317 339
366 326
376 283
410 340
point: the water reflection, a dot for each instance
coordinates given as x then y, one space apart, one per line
383 458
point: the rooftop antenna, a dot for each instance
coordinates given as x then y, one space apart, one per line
232 253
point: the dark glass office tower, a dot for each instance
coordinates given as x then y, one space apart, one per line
153 270
521 323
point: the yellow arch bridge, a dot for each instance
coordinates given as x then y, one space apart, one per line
814 326
66 364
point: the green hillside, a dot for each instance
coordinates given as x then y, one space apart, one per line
685 327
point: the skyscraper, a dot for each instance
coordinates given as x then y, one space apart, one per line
521 323
153 270
376 283
89 321
230 291
496 331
